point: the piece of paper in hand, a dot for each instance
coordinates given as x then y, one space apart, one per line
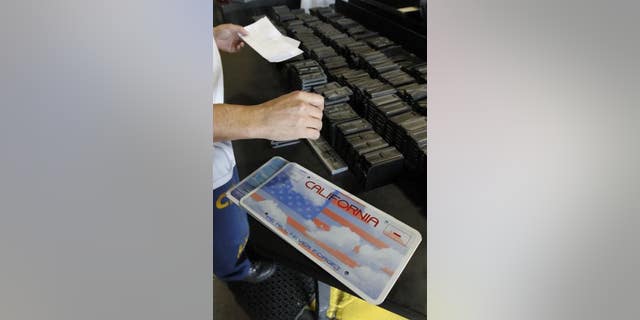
265 39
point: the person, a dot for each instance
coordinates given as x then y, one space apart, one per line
291 116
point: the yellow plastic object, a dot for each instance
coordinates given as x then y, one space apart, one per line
343 306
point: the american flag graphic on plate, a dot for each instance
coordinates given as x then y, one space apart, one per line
363 247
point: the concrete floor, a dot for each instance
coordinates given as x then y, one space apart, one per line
224 305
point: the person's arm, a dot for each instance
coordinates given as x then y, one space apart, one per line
234 122
291 116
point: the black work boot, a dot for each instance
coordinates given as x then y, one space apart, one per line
260 271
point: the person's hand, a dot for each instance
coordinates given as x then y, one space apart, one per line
227 39
291 116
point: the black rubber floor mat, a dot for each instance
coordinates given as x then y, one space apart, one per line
281 297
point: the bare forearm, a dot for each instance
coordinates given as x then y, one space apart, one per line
235 122
291 116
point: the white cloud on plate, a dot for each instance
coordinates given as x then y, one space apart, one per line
387 257
369 280
341 238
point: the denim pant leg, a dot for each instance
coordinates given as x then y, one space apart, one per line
230 235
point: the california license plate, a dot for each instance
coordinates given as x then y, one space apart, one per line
364 248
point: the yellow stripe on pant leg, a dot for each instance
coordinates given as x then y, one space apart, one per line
343 306
241 247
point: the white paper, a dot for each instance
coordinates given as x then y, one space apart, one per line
293 42
265 39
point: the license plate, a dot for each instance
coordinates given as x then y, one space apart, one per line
364 248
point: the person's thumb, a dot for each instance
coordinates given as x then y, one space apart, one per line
241 30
